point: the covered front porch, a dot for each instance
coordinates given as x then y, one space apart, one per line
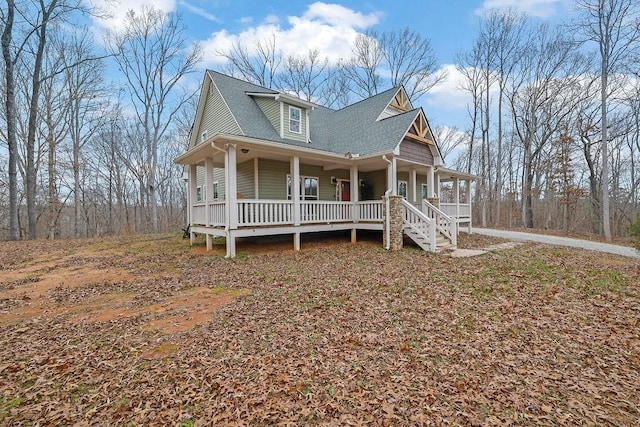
239 187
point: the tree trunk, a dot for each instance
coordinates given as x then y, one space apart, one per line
10 113
606 225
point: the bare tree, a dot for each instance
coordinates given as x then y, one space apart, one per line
259 66
613 26
362 69
151 54
305 76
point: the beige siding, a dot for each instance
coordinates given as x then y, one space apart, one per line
272 183
245 180
416 151
303 125
216 117
218 176
271 109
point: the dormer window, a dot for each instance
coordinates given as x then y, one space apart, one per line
295 114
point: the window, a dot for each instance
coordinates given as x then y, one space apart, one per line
294 119
402 189
308 188
215 191
203 136
424 191
199 193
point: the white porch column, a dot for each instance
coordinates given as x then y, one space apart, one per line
231 196
430 182
208 196
437 185
468 201
193 197
355 196
413 182
256 178
456 195
295 195
392 178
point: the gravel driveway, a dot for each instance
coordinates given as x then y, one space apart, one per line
561 241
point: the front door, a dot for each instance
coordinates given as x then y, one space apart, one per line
345 191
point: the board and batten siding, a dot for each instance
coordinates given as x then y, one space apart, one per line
245 182
216 117
416 151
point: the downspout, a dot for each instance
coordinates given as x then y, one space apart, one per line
387 223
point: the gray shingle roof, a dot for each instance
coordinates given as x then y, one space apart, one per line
351 129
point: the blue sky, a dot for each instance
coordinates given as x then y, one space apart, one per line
331 27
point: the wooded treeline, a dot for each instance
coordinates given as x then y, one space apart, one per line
91 128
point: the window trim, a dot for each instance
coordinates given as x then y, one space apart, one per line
298 120
406 189
215 190
425 191
303 195
199 194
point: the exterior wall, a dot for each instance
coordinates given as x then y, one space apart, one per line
216 117
271 109
416 151
272 183
245 181
273 179
218 176
303 125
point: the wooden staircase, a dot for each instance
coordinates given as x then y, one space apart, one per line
430 234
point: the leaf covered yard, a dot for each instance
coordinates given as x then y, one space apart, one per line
147 331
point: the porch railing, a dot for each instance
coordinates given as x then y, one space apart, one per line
254 213
463 210
264 212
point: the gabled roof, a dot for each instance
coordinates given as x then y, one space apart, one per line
355 128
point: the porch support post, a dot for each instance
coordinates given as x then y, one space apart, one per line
256 178
193 197
355 196
208 196
231 196
456 195
430 182
392 178
468 201
295 195
437 189
413 182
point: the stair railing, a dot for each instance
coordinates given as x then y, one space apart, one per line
446 225
420 224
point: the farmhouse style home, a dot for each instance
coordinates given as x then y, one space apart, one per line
262 162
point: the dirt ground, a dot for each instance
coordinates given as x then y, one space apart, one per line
146 330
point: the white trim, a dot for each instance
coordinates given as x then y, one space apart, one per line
281 119
306 115
215 190
199 194
339 189
298 120
256 177
302 195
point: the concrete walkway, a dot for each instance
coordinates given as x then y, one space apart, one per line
560 241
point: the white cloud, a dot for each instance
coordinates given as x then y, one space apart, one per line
329 28
199 11
448 94
112 14
540 8
246 20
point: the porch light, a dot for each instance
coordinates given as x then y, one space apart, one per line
244 150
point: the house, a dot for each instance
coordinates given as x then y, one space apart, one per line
262 162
